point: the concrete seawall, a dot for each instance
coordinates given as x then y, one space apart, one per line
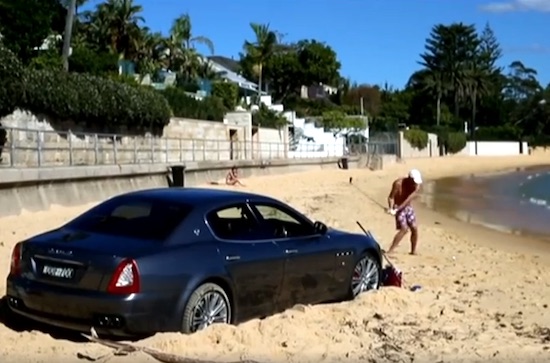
35 189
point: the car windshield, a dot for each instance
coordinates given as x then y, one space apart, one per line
132 217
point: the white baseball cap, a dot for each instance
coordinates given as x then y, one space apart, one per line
415 175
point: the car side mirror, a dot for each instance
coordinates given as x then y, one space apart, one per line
320 227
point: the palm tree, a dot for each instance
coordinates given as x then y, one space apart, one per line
149 52
181 33
262 49
476 86
78 3
432 82
180 54
118 21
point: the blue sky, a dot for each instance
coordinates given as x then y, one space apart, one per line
377 41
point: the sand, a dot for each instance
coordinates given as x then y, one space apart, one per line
484 295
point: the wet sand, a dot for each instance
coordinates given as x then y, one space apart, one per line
484 294
493 200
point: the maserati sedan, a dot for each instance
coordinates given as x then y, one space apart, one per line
181 259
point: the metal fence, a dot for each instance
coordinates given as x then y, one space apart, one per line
20 147
386 143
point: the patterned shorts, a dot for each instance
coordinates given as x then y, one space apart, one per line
405 218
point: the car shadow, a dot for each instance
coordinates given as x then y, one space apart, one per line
20 324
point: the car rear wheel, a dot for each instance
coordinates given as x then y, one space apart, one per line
366 275
207 305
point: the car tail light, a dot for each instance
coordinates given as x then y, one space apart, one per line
126 279
16 254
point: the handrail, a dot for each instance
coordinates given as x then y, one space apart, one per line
22 147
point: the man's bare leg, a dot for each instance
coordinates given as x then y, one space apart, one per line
414 239
397 239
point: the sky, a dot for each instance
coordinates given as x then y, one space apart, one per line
377 41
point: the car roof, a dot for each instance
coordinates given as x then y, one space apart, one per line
197 196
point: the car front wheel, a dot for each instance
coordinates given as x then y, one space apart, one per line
207 305
366 275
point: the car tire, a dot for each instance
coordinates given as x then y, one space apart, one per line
366 275
205 293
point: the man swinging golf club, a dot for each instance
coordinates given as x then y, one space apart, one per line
403 191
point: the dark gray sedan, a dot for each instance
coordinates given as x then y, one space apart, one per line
181 259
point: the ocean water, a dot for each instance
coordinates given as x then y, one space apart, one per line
515 202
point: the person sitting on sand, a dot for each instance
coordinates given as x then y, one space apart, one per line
403 191
232 177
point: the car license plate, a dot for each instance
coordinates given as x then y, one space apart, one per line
59 272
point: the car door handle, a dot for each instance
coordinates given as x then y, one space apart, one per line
232 258
290 252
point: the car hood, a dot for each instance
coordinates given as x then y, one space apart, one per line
338 233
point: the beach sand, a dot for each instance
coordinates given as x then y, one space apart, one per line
484 294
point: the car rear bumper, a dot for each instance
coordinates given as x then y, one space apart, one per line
125 315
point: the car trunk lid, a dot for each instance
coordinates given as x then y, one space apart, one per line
76 259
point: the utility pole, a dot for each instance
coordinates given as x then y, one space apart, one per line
69 20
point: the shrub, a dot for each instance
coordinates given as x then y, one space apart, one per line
11 83
311 107
417 138
126 79
228 92
183 105
266 117
456 141
48 59
97 101
84 60
497 133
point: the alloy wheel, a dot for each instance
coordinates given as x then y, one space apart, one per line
212 308
366 275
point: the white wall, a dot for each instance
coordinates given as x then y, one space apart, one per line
315 142
484 148
495 148
407 151
270 143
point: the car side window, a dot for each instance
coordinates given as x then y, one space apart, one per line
282 223
234 223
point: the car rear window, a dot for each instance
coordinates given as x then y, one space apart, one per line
143 218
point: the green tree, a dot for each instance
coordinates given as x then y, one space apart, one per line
181 55
265 117
429 85
490 99
285 73
115 26
261 49
338 123
449 51
11 84
150 52
319 63
25 24
489 52
227 92
98 63
291 66
369 96
394 109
